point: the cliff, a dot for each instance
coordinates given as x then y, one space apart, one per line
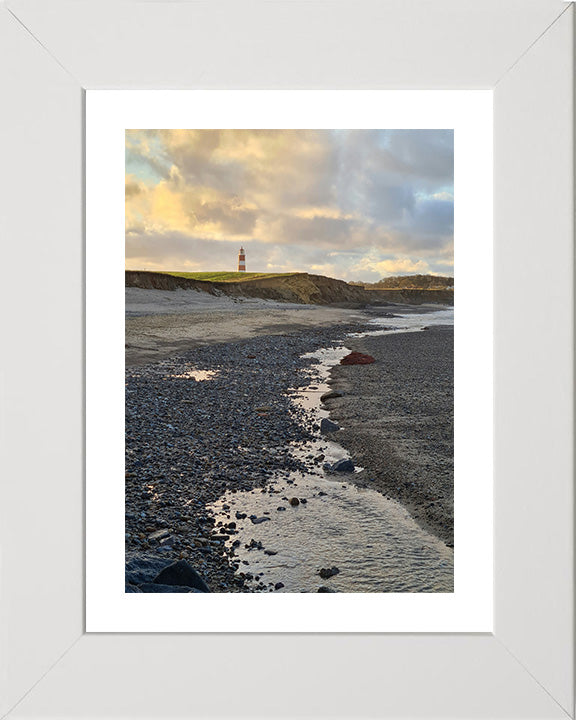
300 288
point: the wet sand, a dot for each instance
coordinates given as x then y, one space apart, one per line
398 415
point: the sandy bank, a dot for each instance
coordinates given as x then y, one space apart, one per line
160 323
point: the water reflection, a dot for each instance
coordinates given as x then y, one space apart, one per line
302 523
198 375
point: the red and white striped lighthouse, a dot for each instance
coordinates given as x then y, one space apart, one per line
241 261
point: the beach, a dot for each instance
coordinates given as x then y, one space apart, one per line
162 323
398 420
212 430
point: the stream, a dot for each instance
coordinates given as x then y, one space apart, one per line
302 524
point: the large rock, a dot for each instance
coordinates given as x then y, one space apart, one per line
326 573
344 465
356 358
330 394
181 573
143 568
327 426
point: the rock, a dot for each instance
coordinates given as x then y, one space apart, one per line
257 520
326 573
327 426
303 501
159 588
240 516
263 408
142 568
159 535
344 465
270 552
280 508
329 395
294 501
131 588
356 358
181 573
324 589
279 586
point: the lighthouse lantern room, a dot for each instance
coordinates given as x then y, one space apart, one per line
241 261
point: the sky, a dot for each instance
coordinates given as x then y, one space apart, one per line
350 204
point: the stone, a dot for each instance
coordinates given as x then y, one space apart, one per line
357 358
294 501
326 573
327 426
142 568
344 465
330 394
280 508
181 573
324 589
279 586
159 535
257 520
131 588
270 552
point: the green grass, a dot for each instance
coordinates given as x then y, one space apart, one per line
226 276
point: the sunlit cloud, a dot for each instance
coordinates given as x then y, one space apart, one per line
350 204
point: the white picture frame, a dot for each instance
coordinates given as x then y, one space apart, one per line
54 50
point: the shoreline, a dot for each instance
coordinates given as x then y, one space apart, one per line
398 422
174 470
174 490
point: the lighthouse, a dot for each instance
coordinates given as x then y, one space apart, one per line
241 261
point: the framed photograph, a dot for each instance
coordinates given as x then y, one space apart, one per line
378 95
340 203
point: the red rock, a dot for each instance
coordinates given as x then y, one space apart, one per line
356 358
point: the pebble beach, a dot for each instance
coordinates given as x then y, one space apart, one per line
217 449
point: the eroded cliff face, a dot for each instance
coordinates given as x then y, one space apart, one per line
300 288
163 281
412 296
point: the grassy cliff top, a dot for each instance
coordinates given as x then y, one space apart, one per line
226 276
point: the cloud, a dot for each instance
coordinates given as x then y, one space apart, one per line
374 200
377 267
